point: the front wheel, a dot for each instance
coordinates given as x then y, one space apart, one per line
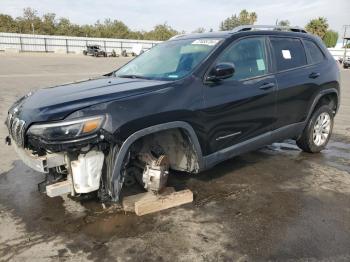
318 131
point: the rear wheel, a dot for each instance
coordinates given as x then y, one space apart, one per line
318 131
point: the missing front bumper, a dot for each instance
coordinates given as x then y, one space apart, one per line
40 163
84 173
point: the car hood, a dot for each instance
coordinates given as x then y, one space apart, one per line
55 103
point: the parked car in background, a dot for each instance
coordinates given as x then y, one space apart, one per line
94 50
187 104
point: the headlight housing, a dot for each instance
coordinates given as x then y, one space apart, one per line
66 130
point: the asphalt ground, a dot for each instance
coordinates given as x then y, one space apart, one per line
276 203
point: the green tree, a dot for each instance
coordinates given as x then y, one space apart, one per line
49 24
330 38
199 30
318 26
284 23
30 21
7 24
120 29
65 27
136 35
111 29
161 32
244 18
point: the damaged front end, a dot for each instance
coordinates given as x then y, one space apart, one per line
77 155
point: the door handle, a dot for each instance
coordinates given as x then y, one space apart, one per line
267 86
314 75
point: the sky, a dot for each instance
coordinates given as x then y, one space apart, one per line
186 15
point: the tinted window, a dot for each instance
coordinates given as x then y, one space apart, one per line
316 55
248 56
289 53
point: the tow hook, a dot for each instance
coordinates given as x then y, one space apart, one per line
8 140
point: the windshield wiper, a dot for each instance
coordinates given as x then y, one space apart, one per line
132 76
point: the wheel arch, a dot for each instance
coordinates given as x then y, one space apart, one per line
129 141
325 95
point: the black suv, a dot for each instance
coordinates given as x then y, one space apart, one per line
187 104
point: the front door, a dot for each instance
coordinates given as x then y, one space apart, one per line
243 106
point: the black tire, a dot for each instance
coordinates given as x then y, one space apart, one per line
306 141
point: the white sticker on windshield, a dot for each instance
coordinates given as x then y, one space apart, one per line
173 76
261 64
209 42
286 54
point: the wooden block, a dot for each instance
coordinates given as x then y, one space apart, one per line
59 188
129 201
161 202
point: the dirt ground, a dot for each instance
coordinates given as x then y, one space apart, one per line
273 204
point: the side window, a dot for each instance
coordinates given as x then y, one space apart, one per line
249 57
289 53
316 55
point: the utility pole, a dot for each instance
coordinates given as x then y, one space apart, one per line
33 28
345 41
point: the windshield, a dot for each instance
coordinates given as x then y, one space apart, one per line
170 60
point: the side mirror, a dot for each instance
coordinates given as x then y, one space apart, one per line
221 71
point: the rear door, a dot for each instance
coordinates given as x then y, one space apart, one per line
319 69
294 79
243 106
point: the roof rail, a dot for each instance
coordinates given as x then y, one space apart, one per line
268 27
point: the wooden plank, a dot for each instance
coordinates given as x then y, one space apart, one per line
59 188
129 201
147 206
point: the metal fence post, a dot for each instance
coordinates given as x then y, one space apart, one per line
21 44
67 46
45 43
121 47
104 43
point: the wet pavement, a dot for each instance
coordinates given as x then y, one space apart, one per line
276 203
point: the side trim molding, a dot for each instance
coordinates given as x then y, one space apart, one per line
254 143
228 136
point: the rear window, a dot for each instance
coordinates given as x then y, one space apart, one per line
289 53
315 54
